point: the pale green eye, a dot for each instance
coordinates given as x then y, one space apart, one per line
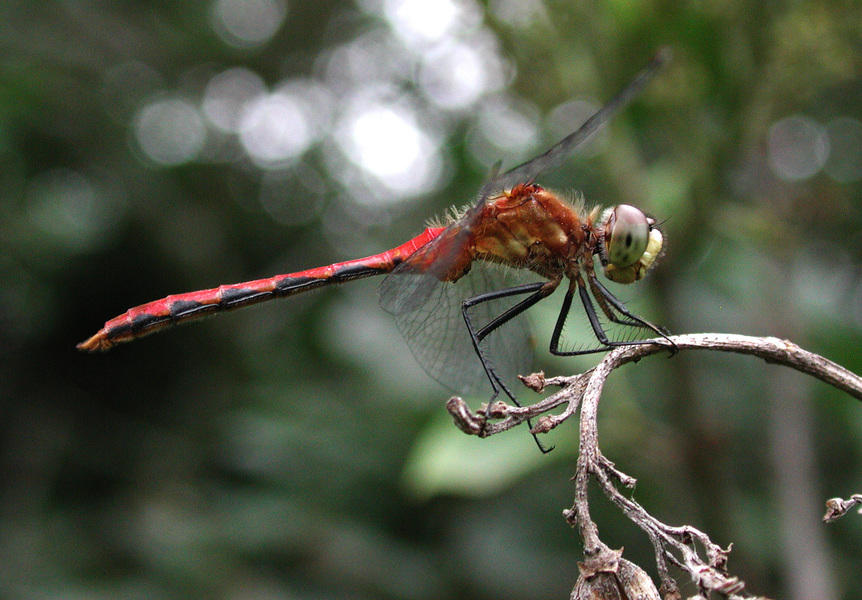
627 235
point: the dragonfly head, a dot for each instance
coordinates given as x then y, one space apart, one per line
631 243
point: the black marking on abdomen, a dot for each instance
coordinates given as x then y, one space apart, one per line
357 271
294 285
120 331
236 297
186 308
142 323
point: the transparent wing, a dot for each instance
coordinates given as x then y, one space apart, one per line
432 324
554 156
427 307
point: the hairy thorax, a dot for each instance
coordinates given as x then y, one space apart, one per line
529 227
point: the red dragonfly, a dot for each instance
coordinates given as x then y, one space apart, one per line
434 279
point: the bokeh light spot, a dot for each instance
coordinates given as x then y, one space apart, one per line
519 13
505 130
71 207
385 141
227 94
247 23
797 148
456 75
418 21
274 130
170 131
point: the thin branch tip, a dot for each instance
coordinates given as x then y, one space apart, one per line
838 507
684 547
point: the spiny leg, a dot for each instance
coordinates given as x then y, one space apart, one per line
604 297
606 343
609 303
561 321
610 306
537 291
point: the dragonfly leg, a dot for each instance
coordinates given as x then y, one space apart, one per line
578 284
606 302
604 297
537 291
541 289
561 322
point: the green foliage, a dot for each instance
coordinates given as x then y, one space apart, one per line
296 449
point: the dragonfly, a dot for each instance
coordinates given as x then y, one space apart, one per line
445 285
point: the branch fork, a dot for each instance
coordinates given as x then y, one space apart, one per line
605 574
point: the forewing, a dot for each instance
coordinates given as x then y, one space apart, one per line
528 171
437 335
418 275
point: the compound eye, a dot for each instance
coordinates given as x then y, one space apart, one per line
627 235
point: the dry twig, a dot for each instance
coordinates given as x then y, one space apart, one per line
684 547
838 507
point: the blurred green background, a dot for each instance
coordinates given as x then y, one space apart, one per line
295 450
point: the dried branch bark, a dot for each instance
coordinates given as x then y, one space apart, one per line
684 547
838 507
